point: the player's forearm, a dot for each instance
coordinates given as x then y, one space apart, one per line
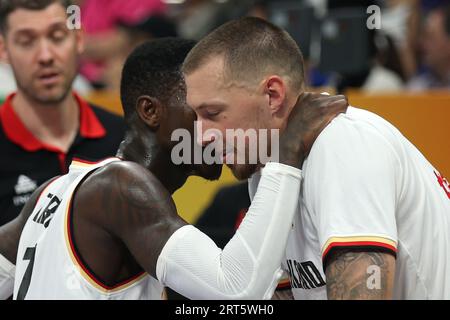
7 271
10 233
9 243
249 266
353 275
9 239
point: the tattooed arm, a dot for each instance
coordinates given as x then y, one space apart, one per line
359 275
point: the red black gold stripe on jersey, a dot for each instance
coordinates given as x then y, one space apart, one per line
369 243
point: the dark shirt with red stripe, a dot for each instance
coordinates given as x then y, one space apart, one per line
26 162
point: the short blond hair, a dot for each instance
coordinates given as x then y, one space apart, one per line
252 48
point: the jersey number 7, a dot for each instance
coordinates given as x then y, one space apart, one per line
25 284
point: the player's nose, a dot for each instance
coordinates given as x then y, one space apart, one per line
204 135
45 53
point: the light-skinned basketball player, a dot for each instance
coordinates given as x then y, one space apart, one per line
373 219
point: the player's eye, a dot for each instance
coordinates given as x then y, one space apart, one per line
25 41
212 113
58 35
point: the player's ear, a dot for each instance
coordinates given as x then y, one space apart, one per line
275 89
150 111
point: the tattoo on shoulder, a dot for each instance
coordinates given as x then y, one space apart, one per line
360 275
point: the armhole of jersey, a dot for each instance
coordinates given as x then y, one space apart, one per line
361 244
77 259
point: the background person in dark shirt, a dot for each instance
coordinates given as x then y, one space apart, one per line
44 124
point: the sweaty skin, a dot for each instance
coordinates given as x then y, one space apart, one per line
123 213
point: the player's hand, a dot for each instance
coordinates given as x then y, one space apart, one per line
311 114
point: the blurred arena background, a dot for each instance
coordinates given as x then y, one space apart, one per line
399 69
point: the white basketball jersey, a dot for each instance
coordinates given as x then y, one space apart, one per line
47 265
366 186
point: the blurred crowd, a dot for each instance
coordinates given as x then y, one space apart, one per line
408 50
